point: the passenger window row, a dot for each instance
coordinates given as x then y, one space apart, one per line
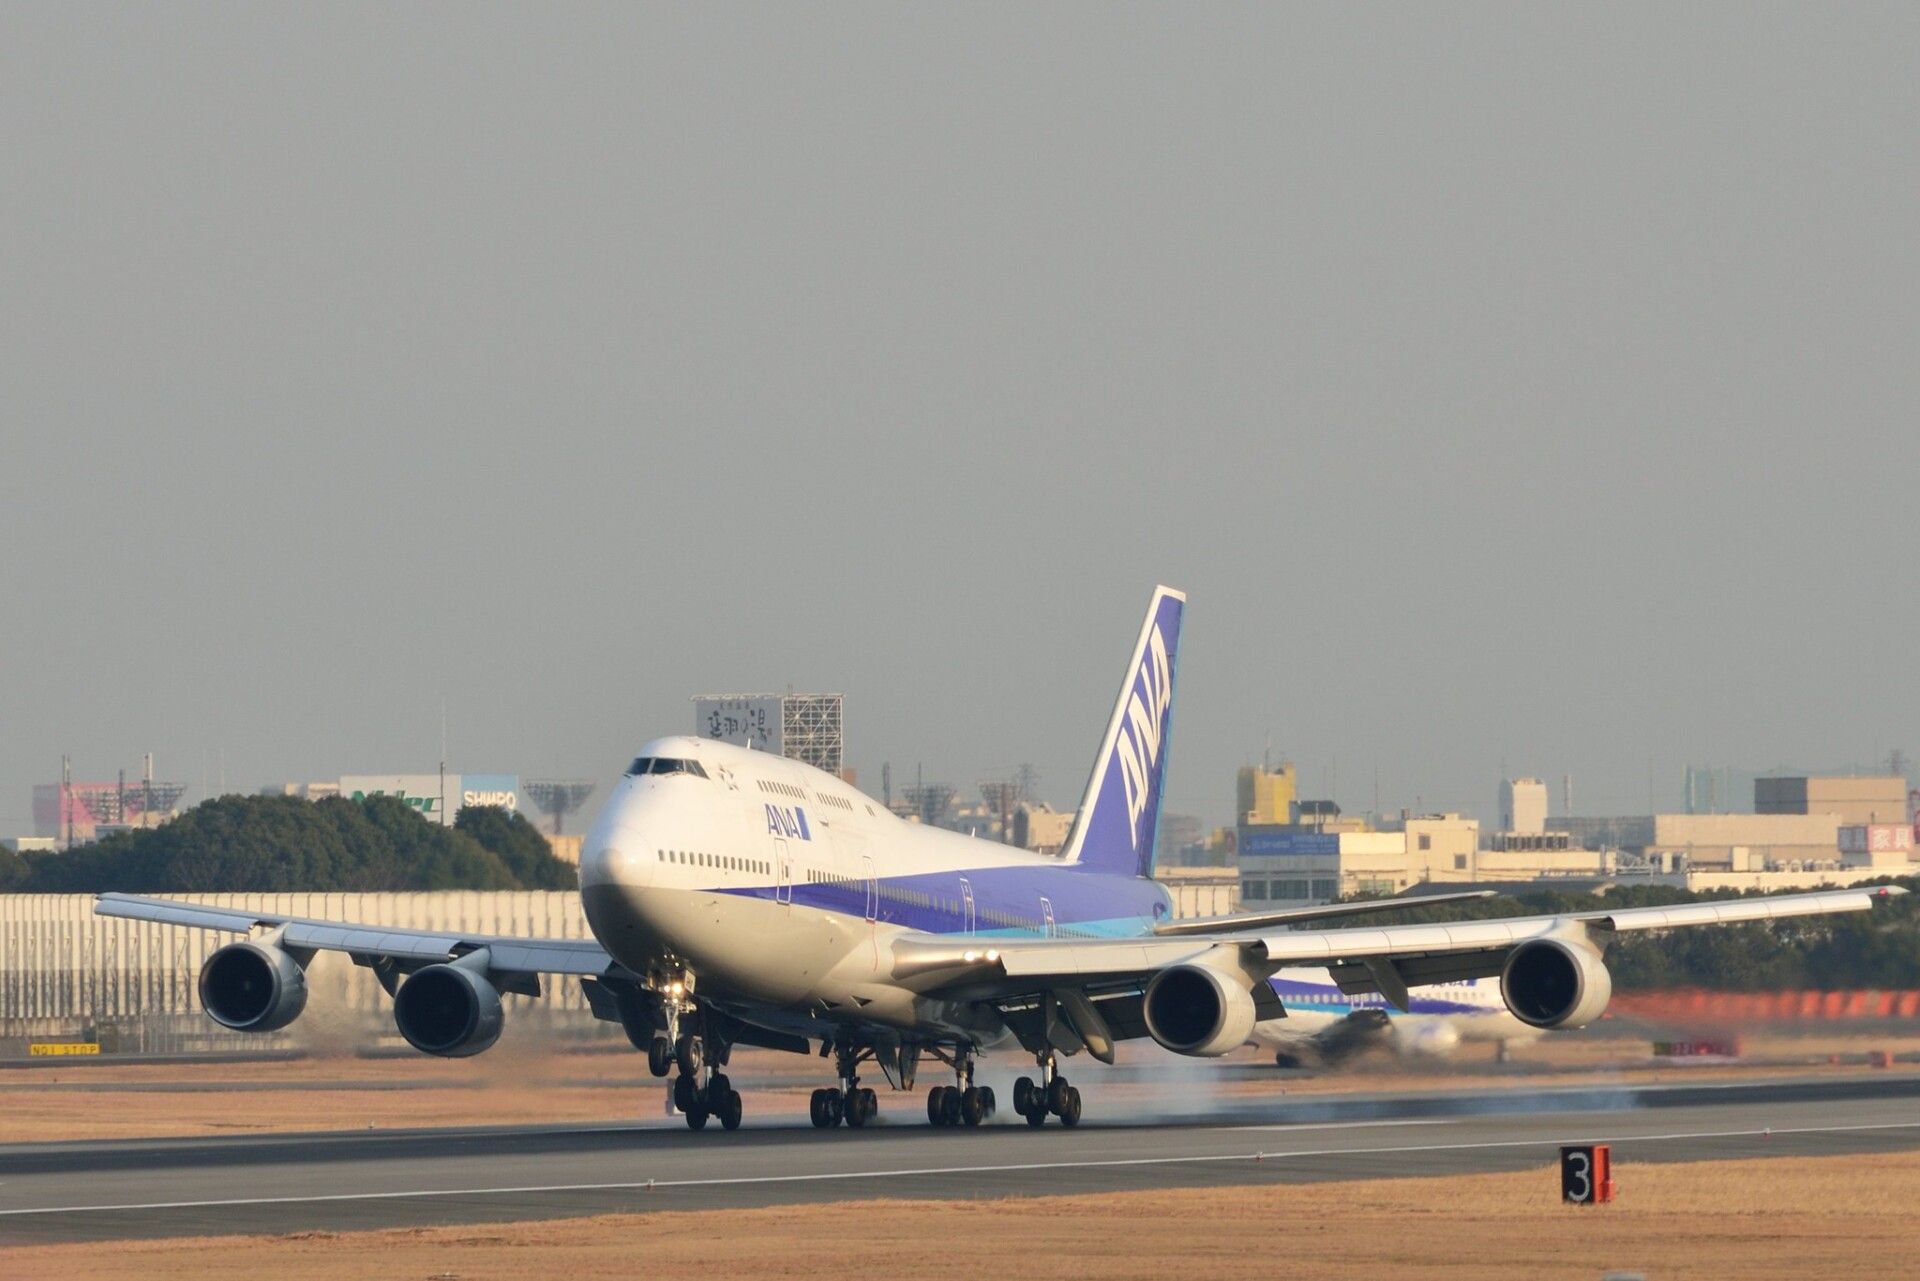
719 862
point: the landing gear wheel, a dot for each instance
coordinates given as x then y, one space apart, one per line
1070 1114
660 1056
686 1093
730 1110
697 1117
834 1105
937 1106
993 1104
817 1110
1057 1096
861 1105
690 1054
869 1103
973 1106
1023 1095
1036 1117
950 1106
718 1087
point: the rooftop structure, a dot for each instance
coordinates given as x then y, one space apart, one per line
809 728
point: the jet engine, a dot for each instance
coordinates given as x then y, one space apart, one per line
1198 1010
1555 983
448 1010
252 987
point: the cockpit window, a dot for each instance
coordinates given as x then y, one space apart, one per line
664 765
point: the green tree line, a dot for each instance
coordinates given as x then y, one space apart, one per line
254 844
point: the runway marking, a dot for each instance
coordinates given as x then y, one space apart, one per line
1019 1168
1343 1125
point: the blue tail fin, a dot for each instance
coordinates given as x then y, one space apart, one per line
1119 817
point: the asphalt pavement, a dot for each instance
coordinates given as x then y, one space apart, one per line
350 1180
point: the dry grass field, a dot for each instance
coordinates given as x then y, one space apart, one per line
1785 1218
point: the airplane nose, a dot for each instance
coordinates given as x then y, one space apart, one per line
615 861
613 852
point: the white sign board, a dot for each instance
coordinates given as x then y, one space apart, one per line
754 719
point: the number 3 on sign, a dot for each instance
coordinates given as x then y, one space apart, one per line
1586 1174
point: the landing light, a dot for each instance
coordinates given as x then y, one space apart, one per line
970 956
992 955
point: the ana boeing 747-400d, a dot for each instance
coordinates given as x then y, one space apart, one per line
740 898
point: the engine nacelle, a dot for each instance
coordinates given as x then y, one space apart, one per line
252 987
1555 983
1198 1010
448 1010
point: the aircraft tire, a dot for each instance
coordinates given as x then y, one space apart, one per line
973 1107
697 1117
817 1110
731 1110
1070 1114
835 1107
690 1054
1056 1100
936 1106
856 1109
686 1093
660 1056
1036 1117
1023 1095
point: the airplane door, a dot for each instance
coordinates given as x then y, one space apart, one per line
966 900
783 887
1046 913
873 888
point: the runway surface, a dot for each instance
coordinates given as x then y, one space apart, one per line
357 1180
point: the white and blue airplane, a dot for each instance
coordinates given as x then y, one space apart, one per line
740 898
1326 1025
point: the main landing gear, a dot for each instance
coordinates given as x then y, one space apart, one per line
962 1103
1051 1094
850 1101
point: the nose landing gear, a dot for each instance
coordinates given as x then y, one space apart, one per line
701 1092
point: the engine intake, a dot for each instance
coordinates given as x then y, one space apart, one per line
1197 1010
252 987
448 1010
1554 983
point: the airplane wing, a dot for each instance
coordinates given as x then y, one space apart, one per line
1318 912
516 963
1385 959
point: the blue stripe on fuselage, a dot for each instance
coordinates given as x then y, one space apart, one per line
1006 901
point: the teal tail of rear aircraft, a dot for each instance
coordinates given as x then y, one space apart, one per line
1119 818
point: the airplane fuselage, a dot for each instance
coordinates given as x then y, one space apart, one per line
780 888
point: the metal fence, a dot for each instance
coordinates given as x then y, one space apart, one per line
66 974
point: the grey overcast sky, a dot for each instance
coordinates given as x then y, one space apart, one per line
1525 386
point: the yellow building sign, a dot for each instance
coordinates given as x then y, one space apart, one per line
41 1049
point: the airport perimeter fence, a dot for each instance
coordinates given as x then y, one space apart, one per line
68 976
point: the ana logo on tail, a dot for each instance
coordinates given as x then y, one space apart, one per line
1137 749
